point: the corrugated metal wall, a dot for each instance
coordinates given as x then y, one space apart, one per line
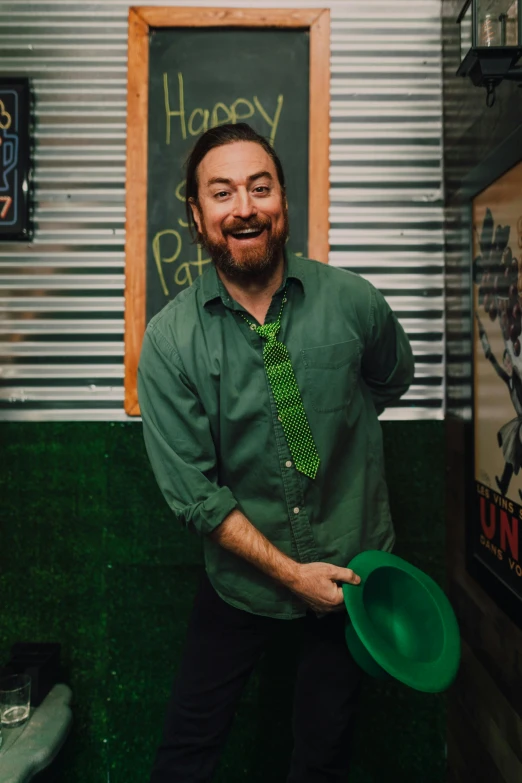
61 296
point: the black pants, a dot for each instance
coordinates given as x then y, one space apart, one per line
222 647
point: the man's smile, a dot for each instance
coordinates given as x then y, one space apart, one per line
246 234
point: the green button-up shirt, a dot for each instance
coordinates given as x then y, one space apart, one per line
215 442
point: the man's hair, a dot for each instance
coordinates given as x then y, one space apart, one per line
217 137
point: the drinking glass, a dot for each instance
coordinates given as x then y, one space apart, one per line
15 699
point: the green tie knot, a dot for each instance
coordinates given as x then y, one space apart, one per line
269 331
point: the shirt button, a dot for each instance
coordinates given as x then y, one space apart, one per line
288 463
296 510
252 326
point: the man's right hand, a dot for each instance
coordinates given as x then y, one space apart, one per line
317 585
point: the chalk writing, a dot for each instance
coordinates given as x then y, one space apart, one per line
275 122
183 274
170 240
156 249
181 197
200 119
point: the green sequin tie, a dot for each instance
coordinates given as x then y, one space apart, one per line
287 397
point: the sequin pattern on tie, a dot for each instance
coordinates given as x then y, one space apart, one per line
287 397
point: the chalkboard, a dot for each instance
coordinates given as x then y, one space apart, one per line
270 93
14 158
191 69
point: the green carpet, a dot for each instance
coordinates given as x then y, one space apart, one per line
90 557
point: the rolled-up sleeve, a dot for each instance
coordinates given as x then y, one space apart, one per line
178 438
387 364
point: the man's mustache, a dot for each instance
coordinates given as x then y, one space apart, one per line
241 225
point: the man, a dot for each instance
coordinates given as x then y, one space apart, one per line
259 388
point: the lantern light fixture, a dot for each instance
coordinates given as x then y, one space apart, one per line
490 43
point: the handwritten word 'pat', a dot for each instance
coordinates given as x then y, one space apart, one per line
182 270
200 120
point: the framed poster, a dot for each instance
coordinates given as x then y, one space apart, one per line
495 524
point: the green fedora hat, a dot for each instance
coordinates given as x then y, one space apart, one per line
400 623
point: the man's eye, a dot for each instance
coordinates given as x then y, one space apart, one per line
221 194
261 189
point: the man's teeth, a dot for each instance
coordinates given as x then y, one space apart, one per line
248 231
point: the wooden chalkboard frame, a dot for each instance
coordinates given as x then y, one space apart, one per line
141 19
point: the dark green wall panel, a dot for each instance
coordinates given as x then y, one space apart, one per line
90 557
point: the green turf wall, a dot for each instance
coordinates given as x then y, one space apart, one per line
90 557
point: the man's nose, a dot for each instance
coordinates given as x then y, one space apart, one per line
244 206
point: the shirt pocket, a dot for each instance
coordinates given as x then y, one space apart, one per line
332 372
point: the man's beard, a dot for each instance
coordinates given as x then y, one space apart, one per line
254 264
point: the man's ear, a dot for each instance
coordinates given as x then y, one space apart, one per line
195 213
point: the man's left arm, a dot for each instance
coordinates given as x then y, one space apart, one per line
387 362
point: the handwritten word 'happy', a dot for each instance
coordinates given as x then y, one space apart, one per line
200 120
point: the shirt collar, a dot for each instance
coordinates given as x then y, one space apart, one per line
212 286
